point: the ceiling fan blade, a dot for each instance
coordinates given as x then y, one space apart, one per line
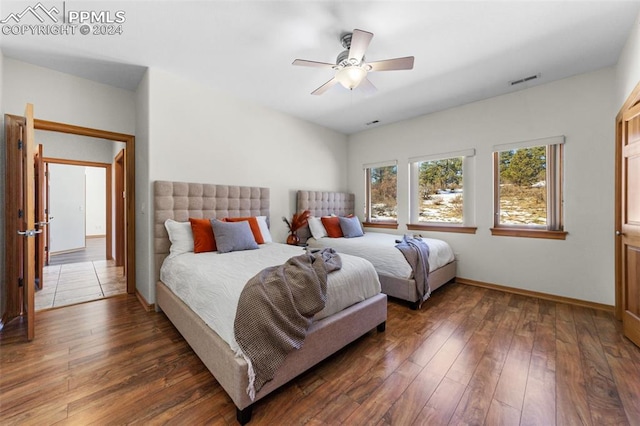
320 90
305 63
359 42
367 87
405 63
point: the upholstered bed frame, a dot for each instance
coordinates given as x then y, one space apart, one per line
180 201
322 203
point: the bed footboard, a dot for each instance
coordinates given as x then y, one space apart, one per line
406 289
324 338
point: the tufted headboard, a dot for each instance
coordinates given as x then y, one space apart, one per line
181 200
323 203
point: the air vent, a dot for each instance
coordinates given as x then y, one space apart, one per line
522 80
372 122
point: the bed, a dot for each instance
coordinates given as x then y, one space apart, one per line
180 201
396 275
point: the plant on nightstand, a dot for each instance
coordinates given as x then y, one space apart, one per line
298 221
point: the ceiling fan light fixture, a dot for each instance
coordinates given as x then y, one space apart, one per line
351 68
351 76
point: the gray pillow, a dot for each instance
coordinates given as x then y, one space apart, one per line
233 236
350 227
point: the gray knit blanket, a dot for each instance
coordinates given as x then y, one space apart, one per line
276 308
416 252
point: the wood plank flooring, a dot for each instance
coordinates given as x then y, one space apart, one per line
470 356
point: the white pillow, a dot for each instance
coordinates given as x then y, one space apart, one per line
180 236
264 229
316 227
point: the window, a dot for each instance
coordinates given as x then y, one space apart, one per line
437 192
528 189
381 207
440 190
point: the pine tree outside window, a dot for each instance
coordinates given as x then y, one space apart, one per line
528 189
439 200
381 206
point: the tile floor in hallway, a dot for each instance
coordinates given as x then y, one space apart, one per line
80 282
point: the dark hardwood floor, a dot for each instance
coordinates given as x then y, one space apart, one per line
470 356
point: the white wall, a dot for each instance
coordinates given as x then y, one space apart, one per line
197 134
628 67
75 147
67 207
145 278
66 99
583 109
96 196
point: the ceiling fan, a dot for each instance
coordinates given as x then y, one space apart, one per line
351 68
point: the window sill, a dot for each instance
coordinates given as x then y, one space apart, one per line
529 233
459 229
381 225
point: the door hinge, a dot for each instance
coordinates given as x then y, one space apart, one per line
19 213
19 144
20 282
46 249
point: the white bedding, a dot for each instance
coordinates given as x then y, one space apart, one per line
379 248
211 283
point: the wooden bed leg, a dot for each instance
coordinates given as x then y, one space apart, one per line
414 305
382 326
244 416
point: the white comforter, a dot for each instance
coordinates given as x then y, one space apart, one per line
379 248
211 283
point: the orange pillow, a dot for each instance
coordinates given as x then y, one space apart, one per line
332 225
253 224
203 239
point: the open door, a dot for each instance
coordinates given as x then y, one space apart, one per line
629 219
120 213
40 217
20 230
48 218
28 231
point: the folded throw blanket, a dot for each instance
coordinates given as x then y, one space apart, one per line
276 308
416 252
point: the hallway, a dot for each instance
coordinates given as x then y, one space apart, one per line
80 276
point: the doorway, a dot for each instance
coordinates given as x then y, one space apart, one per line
80 265
627 221
19 292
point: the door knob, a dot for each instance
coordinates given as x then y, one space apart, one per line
618 234
30 232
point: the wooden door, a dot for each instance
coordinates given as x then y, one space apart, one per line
29 230
20 232
40 217
629 232
47 217
120 196
14 256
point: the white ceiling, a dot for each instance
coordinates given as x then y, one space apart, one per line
464 51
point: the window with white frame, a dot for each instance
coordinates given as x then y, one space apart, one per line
528 185
381 181
437 189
